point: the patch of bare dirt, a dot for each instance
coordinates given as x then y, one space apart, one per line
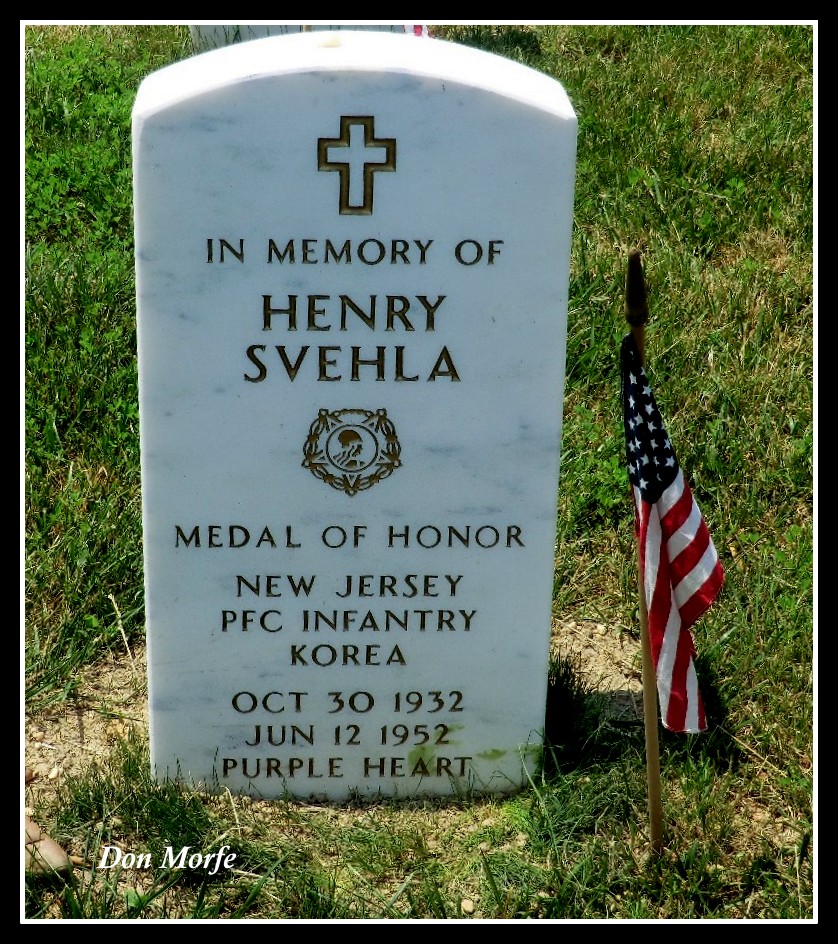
65 740
608 661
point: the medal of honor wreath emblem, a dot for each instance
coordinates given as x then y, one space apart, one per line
352 450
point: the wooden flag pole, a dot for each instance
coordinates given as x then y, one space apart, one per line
637 314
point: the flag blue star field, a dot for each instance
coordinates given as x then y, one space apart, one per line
680 571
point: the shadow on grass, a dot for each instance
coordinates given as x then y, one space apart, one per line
585 727
716 745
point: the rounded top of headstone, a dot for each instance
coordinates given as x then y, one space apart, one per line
350 51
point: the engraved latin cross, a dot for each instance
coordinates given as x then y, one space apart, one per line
363 154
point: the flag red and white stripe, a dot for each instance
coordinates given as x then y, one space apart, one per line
681 573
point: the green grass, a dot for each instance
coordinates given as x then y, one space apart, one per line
696 146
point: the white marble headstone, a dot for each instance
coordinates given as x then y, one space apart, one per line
352 257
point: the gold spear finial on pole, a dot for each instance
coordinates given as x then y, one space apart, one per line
637 308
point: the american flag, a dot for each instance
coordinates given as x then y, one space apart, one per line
681 574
